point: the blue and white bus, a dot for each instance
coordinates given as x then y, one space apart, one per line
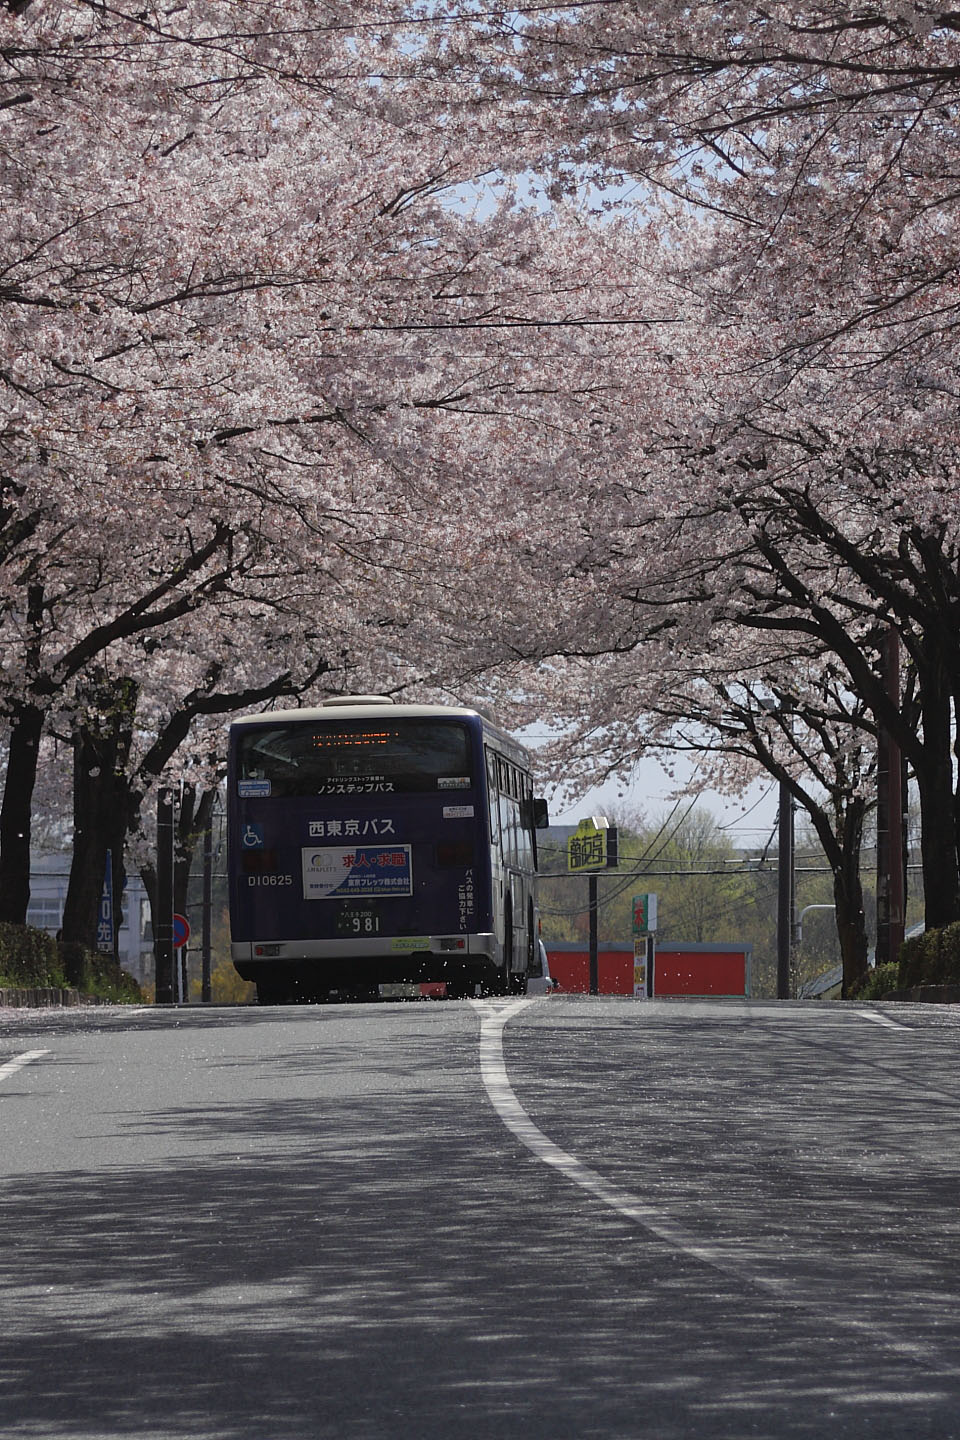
373 844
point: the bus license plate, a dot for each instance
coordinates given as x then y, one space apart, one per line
358 923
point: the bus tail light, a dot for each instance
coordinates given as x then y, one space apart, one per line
455 854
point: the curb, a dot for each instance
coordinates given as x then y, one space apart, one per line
928 994
44 997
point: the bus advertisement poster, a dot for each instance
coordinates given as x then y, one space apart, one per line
335 871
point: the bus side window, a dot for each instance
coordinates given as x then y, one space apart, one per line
506 814
493 799
516 845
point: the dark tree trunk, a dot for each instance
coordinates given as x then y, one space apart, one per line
841 835
100 808
851 921
933 767
938 848
16 812
27 719
94 810
956 767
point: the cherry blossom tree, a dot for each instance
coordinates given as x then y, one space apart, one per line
810 487
232 308
253 354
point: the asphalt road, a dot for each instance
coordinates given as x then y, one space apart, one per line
537 1219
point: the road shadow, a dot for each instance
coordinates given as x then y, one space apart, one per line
393 1264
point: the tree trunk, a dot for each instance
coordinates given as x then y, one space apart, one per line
841 835
94 763
851 923
933 767
100 808
16 812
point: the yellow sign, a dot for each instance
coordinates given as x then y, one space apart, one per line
587 848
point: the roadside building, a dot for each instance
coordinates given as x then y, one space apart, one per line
49 877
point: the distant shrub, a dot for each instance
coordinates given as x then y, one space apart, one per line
28 957
106 980
226 987
92 973
911 961
931 958
946 968
880 981
75 960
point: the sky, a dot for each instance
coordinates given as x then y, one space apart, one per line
747 820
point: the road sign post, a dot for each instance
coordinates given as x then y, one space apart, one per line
644 924
592 848
181 934
640 969
594 938
206 913
163 920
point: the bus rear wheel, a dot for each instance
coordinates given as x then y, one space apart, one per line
518 980
504 979
463 987
274 992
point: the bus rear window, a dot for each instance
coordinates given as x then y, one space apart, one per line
357 757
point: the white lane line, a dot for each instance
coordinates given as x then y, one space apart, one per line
493 1071
882 1020
10 1067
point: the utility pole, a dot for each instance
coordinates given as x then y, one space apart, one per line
593 848
594 944
785 892
163 920
206 911
890 812
786 906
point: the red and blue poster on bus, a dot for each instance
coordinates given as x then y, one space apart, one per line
336 872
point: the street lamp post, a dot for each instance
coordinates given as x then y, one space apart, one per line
206 910
785 891
785 894
163 920
801 915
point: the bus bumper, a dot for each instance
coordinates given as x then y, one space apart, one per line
396 948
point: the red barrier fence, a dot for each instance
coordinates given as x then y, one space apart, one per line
678 969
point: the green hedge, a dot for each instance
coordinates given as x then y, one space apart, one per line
29 957
932 958
880 981
96 974
105 979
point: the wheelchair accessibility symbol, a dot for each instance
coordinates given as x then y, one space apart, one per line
252 837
